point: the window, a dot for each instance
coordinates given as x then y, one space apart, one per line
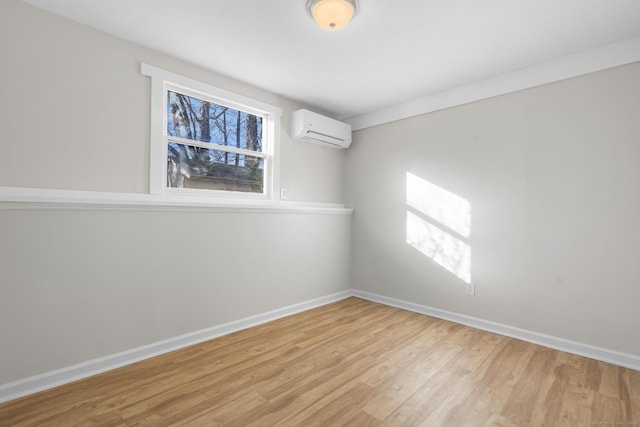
211 146
210 143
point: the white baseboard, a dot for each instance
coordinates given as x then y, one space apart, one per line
605 355
47 380
86 369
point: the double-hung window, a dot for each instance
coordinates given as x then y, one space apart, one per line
210 143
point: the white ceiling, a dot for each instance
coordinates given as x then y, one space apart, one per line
394 51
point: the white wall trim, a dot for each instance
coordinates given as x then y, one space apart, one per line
586 350
12 198
47 380
589 61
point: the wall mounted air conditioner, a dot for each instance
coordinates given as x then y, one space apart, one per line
314 128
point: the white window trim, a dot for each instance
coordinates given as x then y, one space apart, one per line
161 80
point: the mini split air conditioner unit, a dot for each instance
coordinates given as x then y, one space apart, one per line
313 128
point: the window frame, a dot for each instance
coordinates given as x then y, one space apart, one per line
163 81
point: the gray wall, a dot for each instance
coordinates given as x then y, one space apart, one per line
75 111
78 283
553 180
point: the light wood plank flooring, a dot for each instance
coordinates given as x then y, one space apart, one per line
352 363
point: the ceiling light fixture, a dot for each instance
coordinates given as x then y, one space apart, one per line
332 14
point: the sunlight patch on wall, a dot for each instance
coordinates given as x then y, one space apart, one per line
440 205
438 223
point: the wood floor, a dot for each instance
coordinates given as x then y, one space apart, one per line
352 363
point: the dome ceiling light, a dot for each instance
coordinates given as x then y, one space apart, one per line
332 14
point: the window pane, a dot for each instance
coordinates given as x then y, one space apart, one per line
206 169
200 120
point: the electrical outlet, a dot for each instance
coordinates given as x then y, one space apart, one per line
470 289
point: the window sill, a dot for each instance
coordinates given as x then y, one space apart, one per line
22 197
